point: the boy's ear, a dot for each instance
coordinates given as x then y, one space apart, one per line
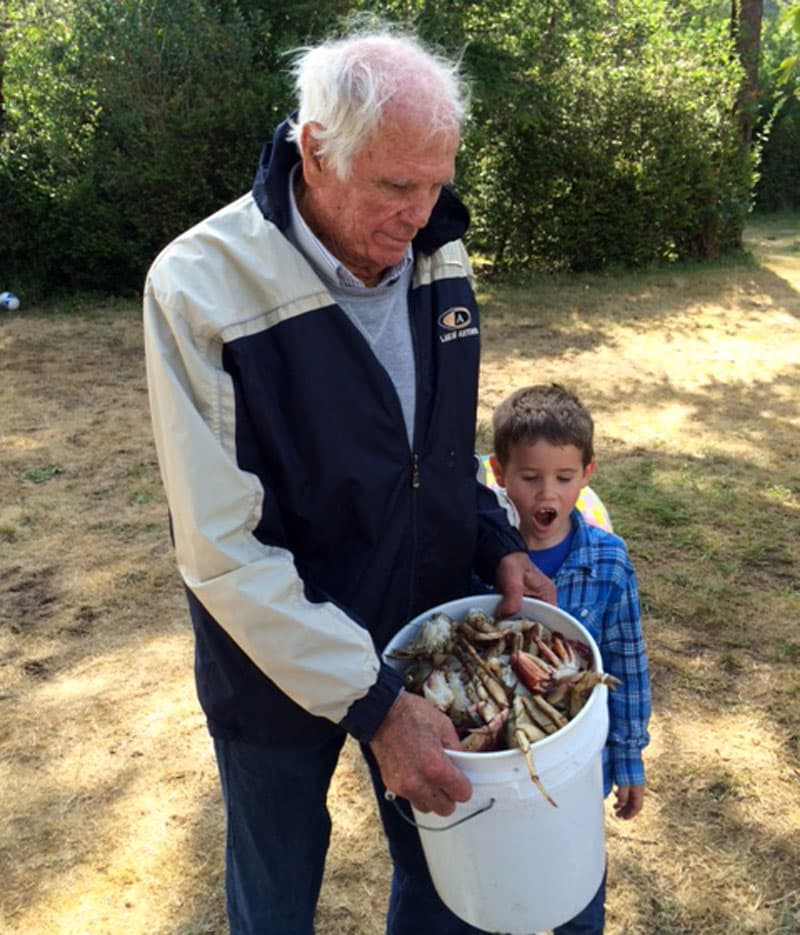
497 470
587 472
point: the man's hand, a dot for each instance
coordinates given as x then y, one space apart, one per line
409 747
518 576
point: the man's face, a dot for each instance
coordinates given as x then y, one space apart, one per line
543 481
368 220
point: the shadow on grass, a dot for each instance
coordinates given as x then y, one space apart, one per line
543 313
715 540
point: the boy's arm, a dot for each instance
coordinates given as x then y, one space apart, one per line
624 656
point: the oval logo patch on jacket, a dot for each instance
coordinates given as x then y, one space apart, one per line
454 319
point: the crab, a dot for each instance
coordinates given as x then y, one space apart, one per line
504 684
552 666
433 638
480 628
488 736
580 690
445 689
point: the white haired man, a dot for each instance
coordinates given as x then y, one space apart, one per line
312 357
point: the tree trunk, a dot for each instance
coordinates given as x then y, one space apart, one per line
746 16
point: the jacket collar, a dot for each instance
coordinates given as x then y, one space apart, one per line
449 219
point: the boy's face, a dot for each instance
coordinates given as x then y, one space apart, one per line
543 481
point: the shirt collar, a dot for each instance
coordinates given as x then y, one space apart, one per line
323 260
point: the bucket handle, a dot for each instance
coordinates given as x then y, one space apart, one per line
391 797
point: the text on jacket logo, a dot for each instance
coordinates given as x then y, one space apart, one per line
456 323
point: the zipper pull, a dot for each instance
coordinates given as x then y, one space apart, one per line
415 471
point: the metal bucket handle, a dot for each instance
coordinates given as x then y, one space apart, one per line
391 797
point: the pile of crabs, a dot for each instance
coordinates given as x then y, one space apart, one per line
503 683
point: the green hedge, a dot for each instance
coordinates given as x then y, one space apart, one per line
597 139
126 124
778 186
618 148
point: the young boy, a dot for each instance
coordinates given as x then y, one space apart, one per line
543 456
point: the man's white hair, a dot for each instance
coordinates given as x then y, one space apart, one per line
344 85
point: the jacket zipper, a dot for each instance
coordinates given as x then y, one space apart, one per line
414 470
415 477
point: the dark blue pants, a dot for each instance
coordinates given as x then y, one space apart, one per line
588 921
278 830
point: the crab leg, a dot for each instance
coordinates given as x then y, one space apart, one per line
523 733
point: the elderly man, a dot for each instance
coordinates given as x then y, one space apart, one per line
312 357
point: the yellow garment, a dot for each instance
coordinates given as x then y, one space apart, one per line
592 507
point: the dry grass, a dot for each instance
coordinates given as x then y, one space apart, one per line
110 816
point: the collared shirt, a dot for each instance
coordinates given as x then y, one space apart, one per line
379 312
597 585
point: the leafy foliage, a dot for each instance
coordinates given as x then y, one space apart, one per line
778 185
617 149
126 123
601 131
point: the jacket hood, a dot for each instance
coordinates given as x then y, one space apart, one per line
448 221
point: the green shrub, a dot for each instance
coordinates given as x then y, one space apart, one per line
778 187
602 131
125 126
622 154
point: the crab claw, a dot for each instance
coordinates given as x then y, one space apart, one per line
486 738
580 691
562 648
534 674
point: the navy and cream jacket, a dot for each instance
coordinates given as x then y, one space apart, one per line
307 530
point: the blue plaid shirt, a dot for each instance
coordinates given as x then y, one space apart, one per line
597 585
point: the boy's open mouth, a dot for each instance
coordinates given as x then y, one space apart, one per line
545 516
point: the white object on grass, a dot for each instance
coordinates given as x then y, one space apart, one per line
8 301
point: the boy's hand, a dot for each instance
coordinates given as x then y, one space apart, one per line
629 801
516 577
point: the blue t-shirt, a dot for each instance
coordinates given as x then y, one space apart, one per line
548 561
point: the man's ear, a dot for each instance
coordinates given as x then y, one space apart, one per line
587 472
312 164
497 470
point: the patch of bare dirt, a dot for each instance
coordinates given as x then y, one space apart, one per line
110 818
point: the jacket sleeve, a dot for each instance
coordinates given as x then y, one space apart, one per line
315 653
497 536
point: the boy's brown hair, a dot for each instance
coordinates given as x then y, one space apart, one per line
549 412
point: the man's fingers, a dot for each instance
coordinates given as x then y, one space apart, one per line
436 801
437 785
510 604
517 576
538 585
410 749
427 797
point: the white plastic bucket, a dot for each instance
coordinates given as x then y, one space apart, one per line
518 865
